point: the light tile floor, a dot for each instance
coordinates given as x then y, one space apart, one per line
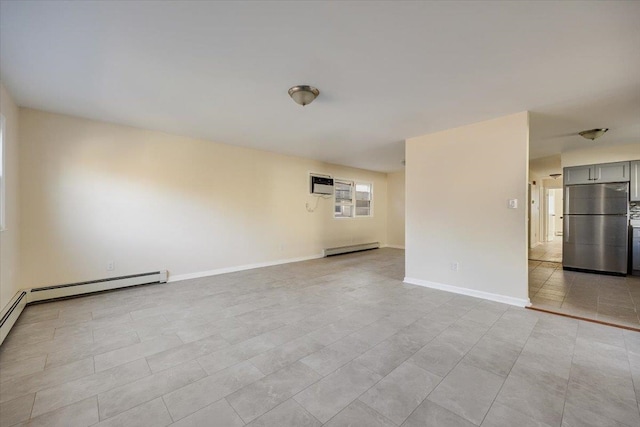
610 299
548 251
338 341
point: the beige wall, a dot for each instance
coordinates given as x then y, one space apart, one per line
395 210
95 192
601 154
452 216
9 238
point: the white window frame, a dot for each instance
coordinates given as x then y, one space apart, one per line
353 203
355 199
3 172
335 197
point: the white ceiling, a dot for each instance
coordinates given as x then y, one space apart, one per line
386 70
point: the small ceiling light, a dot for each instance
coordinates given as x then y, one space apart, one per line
593 133
303 94
555 175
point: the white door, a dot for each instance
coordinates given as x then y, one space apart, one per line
551 212
559 204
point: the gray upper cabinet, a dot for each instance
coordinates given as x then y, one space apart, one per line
612 172
578 175
606 172
634 191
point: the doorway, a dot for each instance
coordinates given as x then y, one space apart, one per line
550 247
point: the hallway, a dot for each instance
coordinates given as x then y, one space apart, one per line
547 251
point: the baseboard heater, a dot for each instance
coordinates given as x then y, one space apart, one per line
64 291
11 313
351 248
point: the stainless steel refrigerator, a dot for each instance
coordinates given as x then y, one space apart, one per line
596 227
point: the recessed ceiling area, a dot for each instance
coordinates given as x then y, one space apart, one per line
386 71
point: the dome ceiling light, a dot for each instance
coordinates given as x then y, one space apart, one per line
592 134
303 94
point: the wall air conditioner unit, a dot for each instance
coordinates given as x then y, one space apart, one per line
320 184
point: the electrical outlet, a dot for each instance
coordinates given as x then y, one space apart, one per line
111 266
455 266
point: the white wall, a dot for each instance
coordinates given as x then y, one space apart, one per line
452 216
9 238
94 192
395 209
601 154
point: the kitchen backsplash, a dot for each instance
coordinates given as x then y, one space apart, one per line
634 210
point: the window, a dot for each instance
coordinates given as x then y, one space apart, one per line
352 199
363 199
344 199
2 173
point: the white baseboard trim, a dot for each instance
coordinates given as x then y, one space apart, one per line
519 302
11 312
197 275
393 246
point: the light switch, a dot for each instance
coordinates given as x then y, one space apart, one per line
513 203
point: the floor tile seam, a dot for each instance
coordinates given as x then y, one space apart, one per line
364 403
230 405
323 377
19 362
94 394
350 402
259 370
301 407
165 407
505 380
33 403
215 351
385 376
38 341
122 412
326 375
98 409
633 380
482 369
146 401
566 390
56 384
428 394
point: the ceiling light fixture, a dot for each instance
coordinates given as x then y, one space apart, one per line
303 94
593 133
555 175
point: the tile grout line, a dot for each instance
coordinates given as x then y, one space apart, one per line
426 370
353 360
507 377
573 354
231 406
167 408
633 381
